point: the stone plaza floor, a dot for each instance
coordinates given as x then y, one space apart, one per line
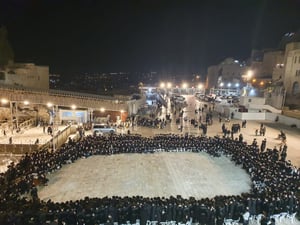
161 174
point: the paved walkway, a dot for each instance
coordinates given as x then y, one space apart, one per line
272 130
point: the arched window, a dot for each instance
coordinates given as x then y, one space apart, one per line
296 88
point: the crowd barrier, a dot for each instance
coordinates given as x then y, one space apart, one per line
60 138
17 148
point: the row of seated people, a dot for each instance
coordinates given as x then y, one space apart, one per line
278 192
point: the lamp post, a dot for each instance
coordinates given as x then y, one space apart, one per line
90 110
248 78
200 87
102 110
13 112
73 107
169 85
51 106
237 85
184 86
221 88
121 114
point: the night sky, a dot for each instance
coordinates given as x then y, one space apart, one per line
143 35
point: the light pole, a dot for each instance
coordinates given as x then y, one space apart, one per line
90 115
13 112
121 114
221 86
184 86
200 88
73 107
51 113
248 78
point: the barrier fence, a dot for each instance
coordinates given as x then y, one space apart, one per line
60 138
57 140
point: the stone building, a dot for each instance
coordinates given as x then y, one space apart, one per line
212 77
263 64
291 79
227 72
25 75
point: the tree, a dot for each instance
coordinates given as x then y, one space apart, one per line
6 52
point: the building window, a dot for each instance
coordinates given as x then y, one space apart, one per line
296 89
11 72
2 75
295 60
298 72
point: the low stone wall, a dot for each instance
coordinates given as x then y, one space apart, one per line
292 113
18 148
267 116
283 119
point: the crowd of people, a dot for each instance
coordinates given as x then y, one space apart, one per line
275 184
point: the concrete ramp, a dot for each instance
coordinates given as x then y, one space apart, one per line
265 107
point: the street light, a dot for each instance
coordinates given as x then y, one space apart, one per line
52 113
221 87
121 111
12 105
249 74
4 101
169 85
78 120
